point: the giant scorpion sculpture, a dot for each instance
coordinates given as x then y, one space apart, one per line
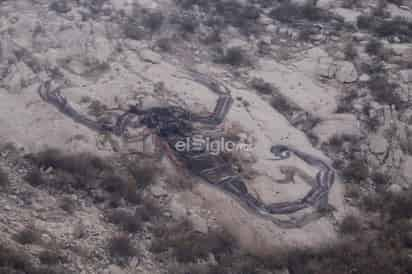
173 124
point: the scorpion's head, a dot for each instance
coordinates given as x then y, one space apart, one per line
280 152
167 121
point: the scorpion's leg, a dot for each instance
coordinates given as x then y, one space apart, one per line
164 146
219 113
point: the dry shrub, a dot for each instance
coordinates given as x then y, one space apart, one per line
350 51
234 56
289 12
187 245
350 225
121 247
35 178
68 205
356 171
28 235
144 174
282 104
384 91
14 261
263 87
4 179
51 257
148 211
127 221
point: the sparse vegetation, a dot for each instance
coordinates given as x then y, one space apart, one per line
127 221
85 172
289 12
234 56
262 87
121 248
148 210
15 261
282 104
396 2
28 235
153 20
68 205
35 178
406 144
164 44
384 91
350 225
226 13
351 4
4 179
50 257
133 30
374 47
143 173
394 27
187 23
350 51
186 244
356 171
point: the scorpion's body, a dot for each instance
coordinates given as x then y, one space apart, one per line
174 124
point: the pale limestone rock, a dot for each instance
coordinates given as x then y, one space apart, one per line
406 75
114 269
349 15
378 144
199 224
394 189
364 78
237 43
265 20
158 191
346 72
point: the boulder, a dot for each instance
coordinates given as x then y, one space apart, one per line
158 191
364 78
349 15
406 75
394 189
346 72
378 144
